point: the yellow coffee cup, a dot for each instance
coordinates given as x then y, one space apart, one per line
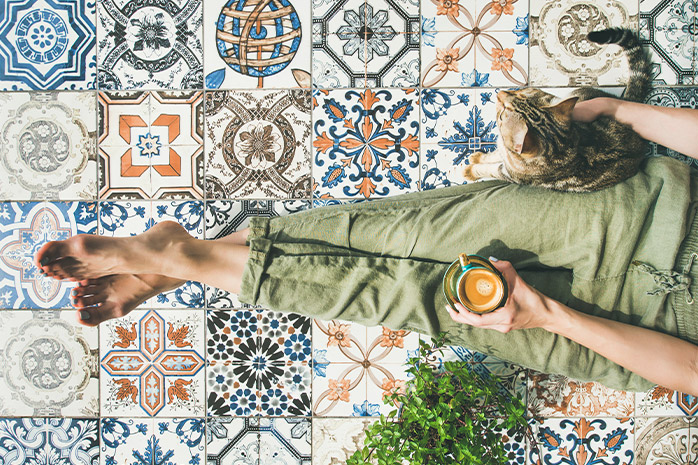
475 283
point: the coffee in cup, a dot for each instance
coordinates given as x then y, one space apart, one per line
474 282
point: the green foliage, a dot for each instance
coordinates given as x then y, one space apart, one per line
445 417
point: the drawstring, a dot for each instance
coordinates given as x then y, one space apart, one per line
669 281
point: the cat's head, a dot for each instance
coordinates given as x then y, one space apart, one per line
528 119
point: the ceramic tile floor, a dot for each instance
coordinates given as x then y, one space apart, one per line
118 114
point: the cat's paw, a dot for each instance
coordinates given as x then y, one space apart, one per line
475 157
468 173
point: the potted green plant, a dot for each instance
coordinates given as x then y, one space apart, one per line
446 415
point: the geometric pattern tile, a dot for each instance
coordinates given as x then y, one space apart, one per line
558 396
258 144
150 44
666 31
455 124
233 441
151 145
474 44
583 441
373 44
24 228
366 143
152 364
49 441
560 54
145 441
237 51
47 44
285 440
48 146
48 365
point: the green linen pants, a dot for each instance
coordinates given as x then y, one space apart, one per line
609 253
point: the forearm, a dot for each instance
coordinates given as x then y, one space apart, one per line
657 357
674 128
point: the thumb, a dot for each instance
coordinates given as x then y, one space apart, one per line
506 268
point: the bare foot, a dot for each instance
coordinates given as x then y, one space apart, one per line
88 256
116 295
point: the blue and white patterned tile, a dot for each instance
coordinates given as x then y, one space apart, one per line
332 67
123 219
151 45
232 441
228 329
514 441
49 440
285 440
561 55
224 217
48 149
366 143
455 124
233 390
48 365
152 364
665 27
290 392
583 441
150 441
228 56
289 331
24 228
258 144
47 45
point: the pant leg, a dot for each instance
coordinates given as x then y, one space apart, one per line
382 262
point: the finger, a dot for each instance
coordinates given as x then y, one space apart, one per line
499 317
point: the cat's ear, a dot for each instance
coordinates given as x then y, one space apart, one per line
563 110
525 142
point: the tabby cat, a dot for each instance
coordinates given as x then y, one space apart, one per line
541 145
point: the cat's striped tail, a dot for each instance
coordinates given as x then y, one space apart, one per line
638 85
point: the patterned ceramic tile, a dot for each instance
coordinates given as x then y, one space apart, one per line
150 44
49 365
560 54
123 219
583 441
151 441
678 97
473 44
366 143
232 441
514 445
47 45
455 123
233 388
48 146
24 228
49 440
664 441
155 140
285 441
258 144
152 364
665 27
257 46
559 396
660 401
336 439
373 44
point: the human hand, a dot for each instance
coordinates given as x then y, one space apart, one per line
588 110
525 306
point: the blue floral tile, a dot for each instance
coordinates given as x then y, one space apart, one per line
665 27
366 143
49 365
291 393
455 124
47 45
124 219
291 332
24 228
238 59
232 391
49 440
149 441
583 441
286 440
151 44
227 330
232 441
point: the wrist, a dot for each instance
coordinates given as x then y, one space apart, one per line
558 317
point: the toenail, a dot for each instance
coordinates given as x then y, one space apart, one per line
74 292
43 261
84 315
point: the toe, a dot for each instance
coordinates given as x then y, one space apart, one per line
93 316
50 252
87 301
